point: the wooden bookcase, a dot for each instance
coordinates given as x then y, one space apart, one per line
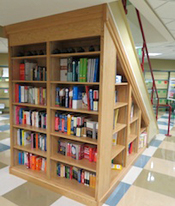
75 29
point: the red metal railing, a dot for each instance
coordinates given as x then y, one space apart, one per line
145 49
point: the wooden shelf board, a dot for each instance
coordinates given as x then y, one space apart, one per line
76 54
120 104
121 84
81 83
84 164
75 110
30 57
116 150
117 175
143 129
135 118
27 148
131 138
71 137
30 128
119 127
73 185
132 157
62 185
25 81
29 105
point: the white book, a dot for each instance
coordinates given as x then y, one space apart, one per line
22 94
18 136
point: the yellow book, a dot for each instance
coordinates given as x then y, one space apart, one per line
69 124
116 117
22 137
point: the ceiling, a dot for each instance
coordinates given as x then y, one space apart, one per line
158 20
157 16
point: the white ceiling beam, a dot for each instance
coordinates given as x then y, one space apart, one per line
152 17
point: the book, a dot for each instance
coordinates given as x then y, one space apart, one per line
69 69
77 97
63 69
22 71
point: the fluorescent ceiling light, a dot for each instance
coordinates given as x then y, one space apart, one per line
155 54
138 47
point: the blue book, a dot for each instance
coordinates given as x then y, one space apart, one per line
96 70
77 97
58 170
91 98
21 115
23 158
79 176
60 125
20 158
19 94
65 123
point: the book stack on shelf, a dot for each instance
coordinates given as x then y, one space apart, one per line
70 119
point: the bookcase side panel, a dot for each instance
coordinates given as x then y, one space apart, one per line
107 79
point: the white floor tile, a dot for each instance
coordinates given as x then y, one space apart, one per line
6 141
149 151
162 120
66 201
132 175
8 182
160 137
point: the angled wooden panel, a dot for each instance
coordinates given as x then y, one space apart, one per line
107 80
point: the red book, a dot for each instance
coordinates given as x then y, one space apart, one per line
16 92
22 71
130 149
36 140
88 100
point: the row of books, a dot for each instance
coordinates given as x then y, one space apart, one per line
79 70
36 140
77 150
30 71
29 94
79 126
30 117
77 97
84 177
32 161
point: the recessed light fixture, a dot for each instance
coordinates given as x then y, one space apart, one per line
155 54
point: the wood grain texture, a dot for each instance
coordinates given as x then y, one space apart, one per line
107 80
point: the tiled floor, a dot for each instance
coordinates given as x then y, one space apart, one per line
149 182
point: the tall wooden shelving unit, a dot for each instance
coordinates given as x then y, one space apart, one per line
74 29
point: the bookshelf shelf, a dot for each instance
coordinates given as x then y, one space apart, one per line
119 127
95 53
121 84
131 138
120 104
74 186
33 82
27 148
59 68
75 83
84 164
74 110
30 128
29 105
135 118
29 57
116 150
71 137
143 129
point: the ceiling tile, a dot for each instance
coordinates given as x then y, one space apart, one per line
156 3
167 10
